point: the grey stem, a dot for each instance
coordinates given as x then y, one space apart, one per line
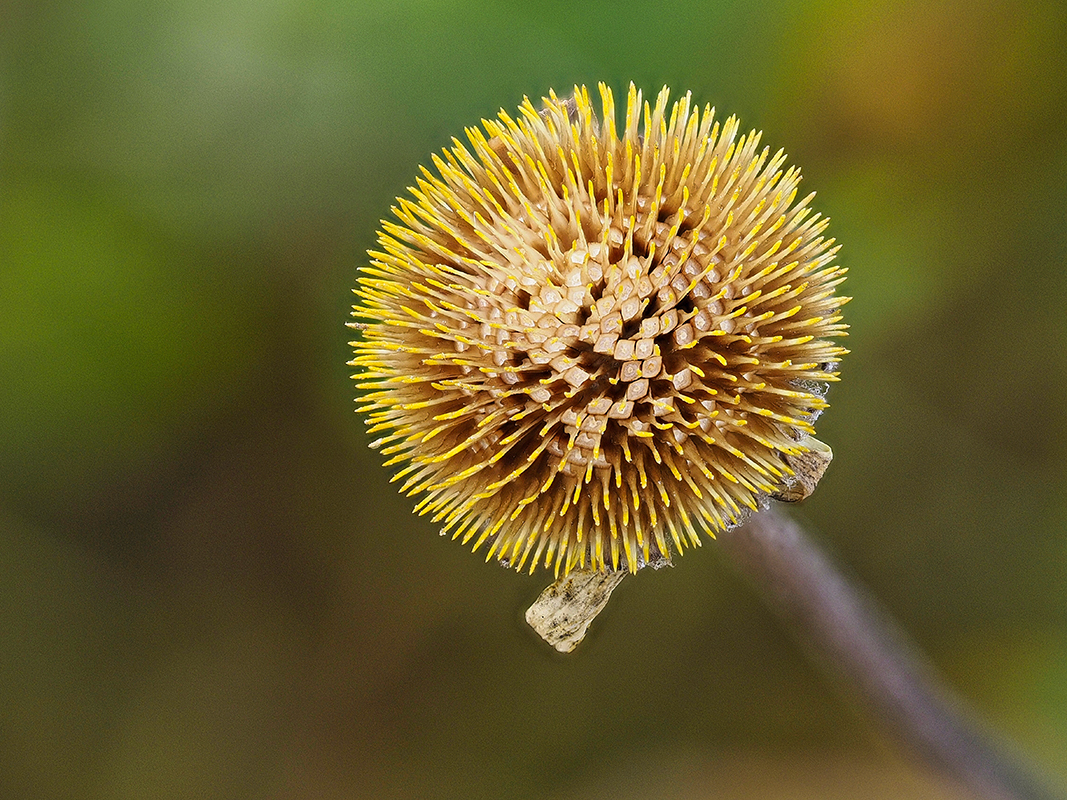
855 640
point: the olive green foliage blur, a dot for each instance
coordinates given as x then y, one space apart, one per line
208 588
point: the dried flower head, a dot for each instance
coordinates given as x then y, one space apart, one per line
587 344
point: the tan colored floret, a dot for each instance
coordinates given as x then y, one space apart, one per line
585 345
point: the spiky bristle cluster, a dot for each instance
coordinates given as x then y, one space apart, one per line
586 345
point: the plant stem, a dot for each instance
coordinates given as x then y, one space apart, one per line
855 641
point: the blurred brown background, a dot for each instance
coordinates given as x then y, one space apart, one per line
208 587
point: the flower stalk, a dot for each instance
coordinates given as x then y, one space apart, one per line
858 645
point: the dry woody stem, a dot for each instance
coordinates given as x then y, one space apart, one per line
860 646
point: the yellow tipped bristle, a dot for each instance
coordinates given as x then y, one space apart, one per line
590 342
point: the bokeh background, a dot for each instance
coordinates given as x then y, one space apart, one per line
208 587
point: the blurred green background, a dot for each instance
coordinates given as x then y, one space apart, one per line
209 589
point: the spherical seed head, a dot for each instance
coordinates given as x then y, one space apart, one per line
585 345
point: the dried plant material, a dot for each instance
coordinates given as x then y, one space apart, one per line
583 344
808 467
561 615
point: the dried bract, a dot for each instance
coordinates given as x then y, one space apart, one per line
585 345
